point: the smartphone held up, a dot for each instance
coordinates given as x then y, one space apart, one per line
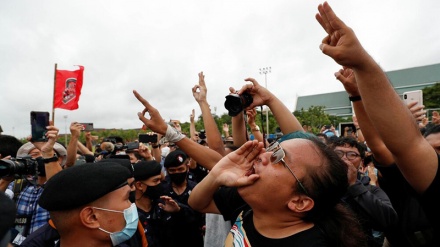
39 122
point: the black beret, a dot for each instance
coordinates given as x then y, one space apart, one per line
80 185
123 162
175 158
143 170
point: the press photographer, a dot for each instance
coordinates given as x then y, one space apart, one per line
32 175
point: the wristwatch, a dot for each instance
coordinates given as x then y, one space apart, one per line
257 128
48 160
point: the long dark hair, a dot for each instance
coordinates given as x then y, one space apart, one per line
326 186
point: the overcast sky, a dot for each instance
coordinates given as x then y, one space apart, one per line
158 47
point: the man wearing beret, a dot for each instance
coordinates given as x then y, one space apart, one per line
95 210
184 227
148 177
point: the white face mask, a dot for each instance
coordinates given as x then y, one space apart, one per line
131 222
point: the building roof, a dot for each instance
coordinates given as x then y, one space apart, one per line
403 80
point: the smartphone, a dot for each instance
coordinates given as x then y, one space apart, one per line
146 138
132 145
413 96
87 126
39 121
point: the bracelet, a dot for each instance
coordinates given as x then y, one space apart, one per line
355 98
49 160
173 135
358 128
154 146
257 128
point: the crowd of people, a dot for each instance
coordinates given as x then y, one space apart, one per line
375 186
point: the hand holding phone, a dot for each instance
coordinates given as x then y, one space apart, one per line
87 127
39 122
413 96
146 138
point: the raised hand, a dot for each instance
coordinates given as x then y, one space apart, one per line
144 151
341 43
417 111
235 169
192 116
346 77
47 147
199 90
251 113
169 205
76 128
260 95
156 123
226 127
435 118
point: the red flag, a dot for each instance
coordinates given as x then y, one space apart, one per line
68 88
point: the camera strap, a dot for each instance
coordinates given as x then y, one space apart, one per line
19 184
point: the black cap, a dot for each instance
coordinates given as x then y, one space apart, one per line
175 158
143 170
123 162
80 185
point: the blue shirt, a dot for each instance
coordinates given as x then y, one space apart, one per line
27 206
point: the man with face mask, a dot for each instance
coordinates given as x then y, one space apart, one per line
148 177
96 211
184 228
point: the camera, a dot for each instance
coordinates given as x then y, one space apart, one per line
21 166
202 134
236 103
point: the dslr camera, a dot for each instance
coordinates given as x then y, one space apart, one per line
236 103
21 166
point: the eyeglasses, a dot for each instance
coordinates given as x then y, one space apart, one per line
278 156
350 154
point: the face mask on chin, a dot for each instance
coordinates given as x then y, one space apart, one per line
131 223
178 178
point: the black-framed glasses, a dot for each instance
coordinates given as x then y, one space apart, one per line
278 156
350 154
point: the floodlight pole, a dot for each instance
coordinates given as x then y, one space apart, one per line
265 71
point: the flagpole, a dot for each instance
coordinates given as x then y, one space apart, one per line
53 101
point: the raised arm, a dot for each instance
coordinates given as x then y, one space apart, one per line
192 126
239 133
261 96
387 112
205 156
47 151
75 132
255 129
89 144
374 141
213 135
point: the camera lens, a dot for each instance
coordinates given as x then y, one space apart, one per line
237 103
233 105
18 167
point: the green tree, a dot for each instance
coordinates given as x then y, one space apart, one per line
431 96
316 117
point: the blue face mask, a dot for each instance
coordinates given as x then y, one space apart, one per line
131 223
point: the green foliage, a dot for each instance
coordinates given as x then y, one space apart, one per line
431 96
316 117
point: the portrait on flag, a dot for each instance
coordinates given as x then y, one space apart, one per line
70 90
68 86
